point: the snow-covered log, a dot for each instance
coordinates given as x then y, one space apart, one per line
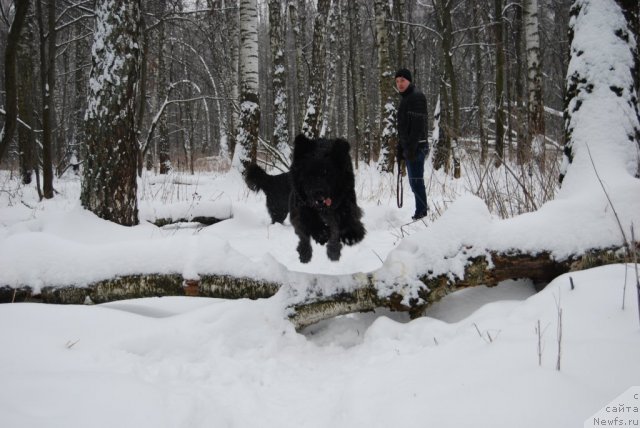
310 298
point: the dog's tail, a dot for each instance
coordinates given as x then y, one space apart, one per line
256 178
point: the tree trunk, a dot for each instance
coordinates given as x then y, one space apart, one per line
313 113
477 52
631 11
310 306
162 81
582 84
499 79
387 113
331 57
355 71
10 79
109 187
279 81
445 26
535 135
249 121
297 20
400 34
442 138
26 102
47 80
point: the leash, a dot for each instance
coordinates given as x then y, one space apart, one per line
399 187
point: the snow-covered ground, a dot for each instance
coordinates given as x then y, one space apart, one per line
480 358
472 361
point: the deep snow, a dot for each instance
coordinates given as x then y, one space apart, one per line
472 361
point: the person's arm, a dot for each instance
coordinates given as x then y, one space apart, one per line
417 113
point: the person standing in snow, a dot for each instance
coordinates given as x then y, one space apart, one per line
413 146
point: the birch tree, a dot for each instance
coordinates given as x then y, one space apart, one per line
479 83
249 121
358 102
297 20
313 113
387 113
109 186
535 104
331 58
279 80
601 80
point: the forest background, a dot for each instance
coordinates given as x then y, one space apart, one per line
493 72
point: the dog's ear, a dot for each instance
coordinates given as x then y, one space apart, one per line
302 145
340 149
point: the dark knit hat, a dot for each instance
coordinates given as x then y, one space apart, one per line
403 72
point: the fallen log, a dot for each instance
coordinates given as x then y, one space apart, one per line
308 305
540 268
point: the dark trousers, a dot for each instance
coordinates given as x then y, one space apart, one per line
415 171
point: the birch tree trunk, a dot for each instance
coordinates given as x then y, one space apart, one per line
477 52
631 11
297 20
279 80
249 121
535 135
313 113
387 113
358 103
588 89
109 186
331 58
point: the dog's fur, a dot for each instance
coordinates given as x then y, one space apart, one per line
323 202
275 187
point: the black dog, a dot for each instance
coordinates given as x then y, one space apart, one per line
323 199
276 188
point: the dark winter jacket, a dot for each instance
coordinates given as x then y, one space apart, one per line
412 122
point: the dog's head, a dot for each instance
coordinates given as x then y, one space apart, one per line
321 171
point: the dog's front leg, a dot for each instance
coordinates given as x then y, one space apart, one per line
304 247
334 245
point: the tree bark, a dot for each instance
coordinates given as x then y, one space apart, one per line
581 83
535 106
280 139
313 113
109 187
477 53
162 82
499 79
47 80
10 79
363 293
387 112
249 121
358 103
